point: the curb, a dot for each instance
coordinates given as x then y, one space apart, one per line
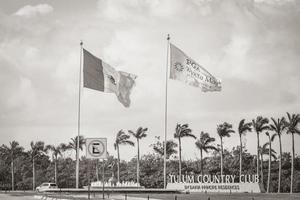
121 197
47 198
117 197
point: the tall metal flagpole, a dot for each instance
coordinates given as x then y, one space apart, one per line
166 114
78 128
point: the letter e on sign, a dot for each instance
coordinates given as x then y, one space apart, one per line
96 148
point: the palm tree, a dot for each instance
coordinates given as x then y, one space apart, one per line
291 128
243 128
37 149
73 146
259 125
56 151
182 131
265 150
10 153
121 139
224 130
271 139
278 127
139 134
204 144
158 147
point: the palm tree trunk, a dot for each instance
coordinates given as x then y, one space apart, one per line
179 159
77 164
261 170
112 173
55 170
279 171
221 156
269 167
292 165
138 163
118 164
257 161
12 176
241 151
201 164
33 174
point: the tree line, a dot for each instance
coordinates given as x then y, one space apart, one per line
44 163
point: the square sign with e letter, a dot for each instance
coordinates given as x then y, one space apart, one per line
96 148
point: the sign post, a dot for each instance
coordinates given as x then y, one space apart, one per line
103 179
89 180
96 148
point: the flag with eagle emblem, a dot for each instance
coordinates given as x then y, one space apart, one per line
100 76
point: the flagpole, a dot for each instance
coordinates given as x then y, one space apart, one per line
78 125
166 114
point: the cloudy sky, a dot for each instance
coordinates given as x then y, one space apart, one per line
252 45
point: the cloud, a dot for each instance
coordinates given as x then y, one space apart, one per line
275 2
32 11
253 47
119 11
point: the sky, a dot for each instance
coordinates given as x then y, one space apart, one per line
253 46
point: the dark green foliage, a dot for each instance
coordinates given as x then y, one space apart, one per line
151 175
151 164
158 147
151 171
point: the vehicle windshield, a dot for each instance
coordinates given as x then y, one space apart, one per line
53 184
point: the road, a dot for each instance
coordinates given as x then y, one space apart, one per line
220 196
16 196
30 196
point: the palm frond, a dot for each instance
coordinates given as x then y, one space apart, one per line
140 133
127 142
211 148
273 128
289 116
132 133
291 125
187 134
123 139
224 129
265 145
204 142
273 137
209 140
264 128
183 131
244 127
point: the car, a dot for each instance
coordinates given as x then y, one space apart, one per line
45 186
